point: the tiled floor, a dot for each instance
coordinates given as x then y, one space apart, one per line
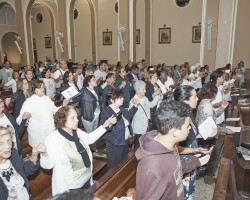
203 191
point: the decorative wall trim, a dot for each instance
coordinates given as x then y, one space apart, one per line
203 31
232 32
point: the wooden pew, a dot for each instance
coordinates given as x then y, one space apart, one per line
117 180
218 149
225 187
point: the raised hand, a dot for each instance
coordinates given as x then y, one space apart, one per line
26 115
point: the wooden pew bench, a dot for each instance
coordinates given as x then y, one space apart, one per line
225 187
118 180
40 182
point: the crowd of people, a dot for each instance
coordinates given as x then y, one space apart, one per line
157 106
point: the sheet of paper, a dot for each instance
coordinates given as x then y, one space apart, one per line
242 100
234 128
246 157
244 104
232 119
206 128
70 93
244 108
235 95
243 89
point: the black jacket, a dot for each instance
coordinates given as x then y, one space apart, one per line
89 103
116 133
19 130
17 100
24 169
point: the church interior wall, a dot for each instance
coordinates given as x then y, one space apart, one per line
180 20
107 19
40 31
140 24
82 32
242 35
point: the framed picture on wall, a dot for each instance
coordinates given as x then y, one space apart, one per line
48 43
164 35
34 43
107 38
196 34
137 36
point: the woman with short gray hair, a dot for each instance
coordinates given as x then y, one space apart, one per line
142 116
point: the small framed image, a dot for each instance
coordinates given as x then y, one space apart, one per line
34 43
107 38
164 35
48 43
137 36
196 34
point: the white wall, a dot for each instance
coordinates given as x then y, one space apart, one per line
40 31
140 24
181 21
107 19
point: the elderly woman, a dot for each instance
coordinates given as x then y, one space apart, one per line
41 109
142 116
187 148
7 120
117 138
18 98
68 152
205 109
13 170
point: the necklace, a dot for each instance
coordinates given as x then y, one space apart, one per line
7 172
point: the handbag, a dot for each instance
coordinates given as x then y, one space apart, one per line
150 125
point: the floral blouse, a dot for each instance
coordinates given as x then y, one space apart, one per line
205 110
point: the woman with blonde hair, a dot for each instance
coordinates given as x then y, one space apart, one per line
13 170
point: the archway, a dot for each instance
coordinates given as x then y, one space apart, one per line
41 37
10 49
86 16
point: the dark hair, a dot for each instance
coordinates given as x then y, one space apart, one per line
78 194
36 84
134 67
44 72
183 93
61 115
171 114
109 75
215 75
208 91
66 76
19 84
87 80
113 94
119 69
228 66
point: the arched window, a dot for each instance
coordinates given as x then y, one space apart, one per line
75 13
182 3
7 15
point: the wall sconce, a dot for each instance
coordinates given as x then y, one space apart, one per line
59 35
18 37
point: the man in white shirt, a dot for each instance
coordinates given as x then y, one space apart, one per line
58 75
6 74
100 74
79 77
169 83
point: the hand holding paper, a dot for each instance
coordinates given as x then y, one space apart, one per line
208 128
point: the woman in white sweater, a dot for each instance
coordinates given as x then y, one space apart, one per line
42 110
141 117
68 152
